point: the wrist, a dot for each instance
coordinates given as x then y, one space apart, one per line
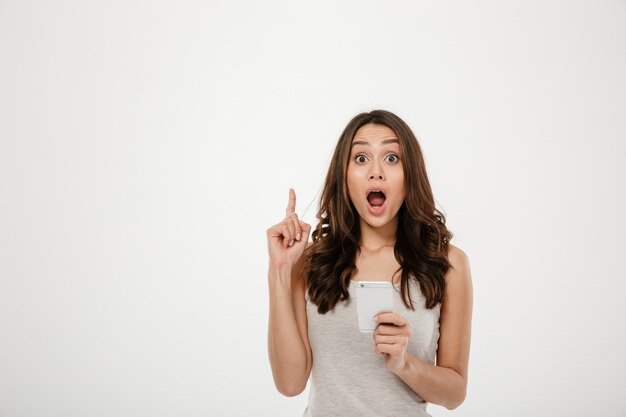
279 273
410 366
280 269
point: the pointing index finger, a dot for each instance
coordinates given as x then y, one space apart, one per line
291 206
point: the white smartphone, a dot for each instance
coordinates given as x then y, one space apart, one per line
372 297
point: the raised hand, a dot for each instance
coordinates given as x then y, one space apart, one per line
287 240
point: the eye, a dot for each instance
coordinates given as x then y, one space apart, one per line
396 158
357 158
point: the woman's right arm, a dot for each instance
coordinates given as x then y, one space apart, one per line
288 344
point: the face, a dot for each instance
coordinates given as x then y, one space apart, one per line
376 163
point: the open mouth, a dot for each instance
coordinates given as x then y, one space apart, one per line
376 198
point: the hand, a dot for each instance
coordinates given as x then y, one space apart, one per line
392 339
287 240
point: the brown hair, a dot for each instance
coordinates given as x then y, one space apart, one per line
422 239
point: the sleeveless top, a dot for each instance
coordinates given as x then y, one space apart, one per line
348 378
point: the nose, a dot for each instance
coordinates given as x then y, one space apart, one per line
376 172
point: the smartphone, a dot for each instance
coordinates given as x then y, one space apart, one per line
372 297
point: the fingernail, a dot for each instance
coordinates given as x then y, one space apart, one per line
298 236
291 243
375 318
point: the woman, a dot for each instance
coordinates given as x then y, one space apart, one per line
377 221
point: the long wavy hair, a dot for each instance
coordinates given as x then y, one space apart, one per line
422 239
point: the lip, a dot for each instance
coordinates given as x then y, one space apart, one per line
376 188
378 210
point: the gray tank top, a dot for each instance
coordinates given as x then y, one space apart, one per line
348 378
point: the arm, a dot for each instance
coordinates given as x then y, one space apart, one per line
288 345
446 383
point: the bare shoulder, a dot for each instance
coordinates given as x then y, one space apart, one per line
458 290
459 264
456 314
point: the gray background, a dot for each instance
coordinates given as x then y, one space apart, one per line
145 147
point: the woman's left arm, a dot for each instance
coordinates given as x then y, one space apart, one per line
446 383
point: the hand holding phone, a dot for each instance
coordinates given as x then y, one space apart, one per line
372 297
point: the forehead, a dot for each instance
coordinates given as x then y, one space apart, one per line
373 133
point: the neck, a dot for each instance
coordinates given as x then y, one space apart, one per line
375 238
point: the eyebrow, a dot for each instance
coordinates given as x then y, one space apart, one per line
385 142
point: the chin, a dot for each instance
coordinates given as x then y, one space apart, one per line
375 222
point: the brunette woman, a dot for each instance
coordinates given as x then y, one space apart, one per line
376 221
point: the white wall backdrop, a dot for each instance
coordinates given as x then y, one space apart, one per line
145 148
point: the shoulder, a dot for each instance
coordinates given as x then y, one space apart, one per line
456 316
457 258
459 275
